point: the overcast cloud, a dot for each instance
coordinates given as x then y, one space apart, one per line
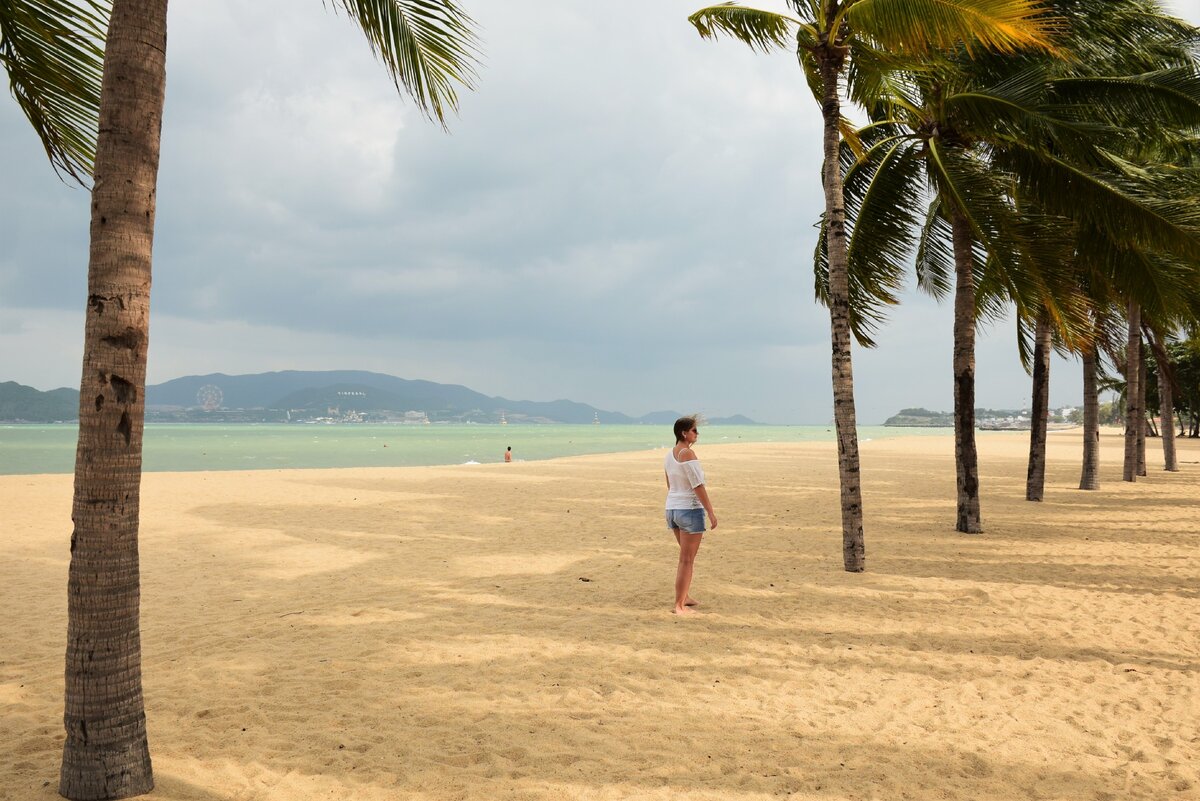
622 214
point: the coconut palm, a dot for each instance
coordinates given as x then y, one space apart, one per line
836 38
1166 403
1017 156
427 46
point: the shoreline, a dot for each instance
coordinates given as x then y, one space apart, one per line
503 631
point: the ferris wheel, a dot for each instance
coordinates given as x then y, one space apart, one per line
210 397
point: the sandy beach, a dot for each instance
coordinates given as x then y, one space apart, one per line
503 631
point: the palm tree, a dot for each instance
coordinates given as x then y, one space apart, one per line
426 45
1133 391
850 37
1035 480
1017 154
1166 404
936 151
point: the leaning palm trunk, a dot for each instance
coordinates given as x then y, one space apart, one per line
853 545
1166 406
1143 422
966 460
106 754
1035 481
1089 479
1133 412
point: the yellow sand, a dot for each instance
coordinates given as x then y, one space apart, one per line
502 632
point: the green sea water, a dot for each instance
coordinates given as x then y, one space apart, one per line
28 449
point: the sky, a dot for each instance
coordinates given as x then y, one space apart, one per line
621 214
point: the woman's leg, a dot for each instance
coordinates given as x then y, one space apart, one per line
689 544
690 600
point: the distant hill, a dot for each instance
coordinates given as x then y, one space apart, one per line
22 404
316 390
985 419
921 418
314 393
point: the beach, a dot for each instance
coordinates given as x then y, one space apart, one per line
502 631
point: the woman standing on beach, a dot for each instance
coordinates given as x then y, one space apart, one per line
687 501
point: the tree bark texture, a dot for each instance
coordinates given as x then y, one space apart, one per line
1166 407
853 543
1133 413
1143 422
1035 481
1089 478
106 754
966 459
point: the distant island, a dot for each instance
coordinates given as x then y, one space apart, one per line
985 419
336 396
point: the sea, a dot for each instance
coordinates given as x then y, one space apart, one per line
32 449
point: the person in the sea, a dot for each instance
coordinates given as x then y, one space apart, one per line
687 502
508 454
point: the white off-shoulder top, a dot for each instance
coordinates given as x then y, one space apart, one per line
682 480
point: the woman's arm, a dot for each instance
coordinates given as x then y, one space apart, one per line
702 494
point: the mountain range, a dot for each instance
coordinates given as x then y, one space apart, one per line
319 392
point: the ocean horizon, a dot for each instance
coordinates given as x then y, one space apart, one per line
27 449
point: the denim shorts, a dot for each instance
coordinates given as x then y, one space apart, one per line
689 520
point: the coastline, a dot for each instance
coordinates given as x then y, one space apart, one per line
502 631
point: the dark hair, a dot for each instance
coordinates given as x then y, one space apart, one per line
682 425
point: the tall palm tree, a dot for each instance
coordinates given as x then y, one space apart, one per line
1017 155
1133 391
1166 403
1035 479
936 151
836 38
50 49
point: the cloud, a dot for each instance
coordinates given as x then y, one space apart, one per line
622 214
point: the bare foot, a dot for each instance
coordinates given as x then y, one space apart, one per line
691 602
683 610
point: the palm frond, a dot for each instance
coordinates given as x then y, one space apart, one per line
924 26
1128 36
1128 210
764 31
1018 110
53 51
881 188
427 46
1169 97
877 80
1025 345
1012 264
935 255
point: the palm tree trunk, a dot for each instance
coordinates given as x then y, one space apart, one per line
853 544
1090 476
1035 481
1133 413
966 460
106 754
1142 421
1166 405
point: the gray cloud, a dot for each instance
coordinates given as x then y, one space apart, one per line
622 214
